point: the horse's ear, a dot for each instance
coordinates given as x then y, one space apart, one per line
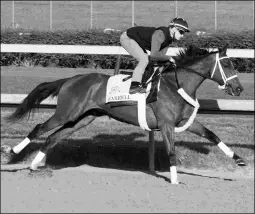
224 49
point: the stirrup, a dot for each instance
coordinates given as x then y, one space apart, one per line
137 89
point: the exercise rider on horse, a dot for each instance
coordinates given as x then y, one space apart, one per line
136 40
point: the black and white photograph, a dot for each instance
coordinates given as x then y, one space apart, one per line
127 106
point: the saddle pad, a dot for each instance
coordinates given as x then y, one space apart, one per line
118 91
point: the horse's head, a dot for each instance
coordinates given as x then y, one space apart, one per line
224 73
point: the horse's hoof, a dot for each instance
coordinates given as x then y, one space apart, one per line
6 149
174 182
240 162
41 172
7 154
33 169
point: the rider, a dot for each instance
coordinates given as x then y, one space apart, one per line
136 40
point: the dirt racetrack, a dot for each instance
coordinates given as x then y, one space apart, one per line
92 189
82 187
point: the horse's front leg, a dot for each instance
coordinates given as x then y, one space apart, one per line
199 129
168 138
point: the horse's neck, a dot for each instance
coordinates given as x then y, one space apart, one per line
192 80
187 80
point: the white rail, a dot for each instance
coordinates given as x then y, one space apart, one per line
220 104
96 49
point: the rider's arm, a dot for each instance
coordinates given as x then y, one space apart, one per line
157 39
164 50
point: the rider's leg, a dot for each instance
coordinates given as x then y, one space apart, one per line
140 68
132 47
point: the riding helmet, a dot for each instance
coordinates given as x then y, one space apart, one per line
180 23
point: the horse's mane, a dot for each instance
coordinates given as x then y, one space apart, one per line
190 55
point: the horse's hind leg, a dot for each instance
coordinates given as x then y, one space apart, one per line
65 131
199 129
38 130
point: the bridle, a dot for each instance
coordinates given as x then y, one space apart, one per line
223 76
217 62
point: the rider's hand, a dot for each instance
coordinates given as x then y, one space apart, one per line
172 61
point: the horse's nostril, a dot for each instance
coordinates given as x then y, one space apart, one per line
239 90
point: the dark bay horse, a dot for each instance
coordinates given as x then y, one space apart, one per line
81 99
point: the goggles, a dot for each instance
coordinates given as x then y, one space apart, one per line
181 31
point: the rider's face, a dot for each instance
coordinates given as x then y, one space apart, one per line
179 33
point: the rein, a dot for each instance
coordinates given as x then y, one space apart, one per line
217 62
190 70
176 76
159 74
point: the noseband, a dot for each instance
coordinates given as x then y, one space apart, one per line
223 76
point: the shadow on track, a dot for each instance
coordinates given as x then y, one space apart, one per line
110 151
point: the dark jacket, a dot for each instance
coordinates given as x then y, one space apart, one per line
142 35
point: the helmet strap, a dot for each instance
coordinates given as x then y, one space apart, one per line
174 37
172 33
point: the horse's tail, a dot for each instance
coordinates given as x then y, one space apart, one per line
34 98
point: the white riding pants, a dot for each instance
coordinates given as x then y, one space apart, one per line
132 47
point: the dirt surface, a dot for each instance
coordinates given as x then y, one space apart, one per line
76 187
83 189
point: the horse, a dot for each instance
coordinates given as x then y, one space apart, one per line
81 99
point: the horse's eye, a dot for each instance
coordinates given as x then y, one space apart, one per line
225 65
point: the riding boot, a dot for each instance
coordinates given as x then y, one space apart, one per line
136 87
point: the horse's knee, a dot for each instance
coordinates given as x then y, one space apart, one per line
202 131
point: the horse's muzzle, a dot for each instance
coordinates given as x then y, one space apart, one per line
233 91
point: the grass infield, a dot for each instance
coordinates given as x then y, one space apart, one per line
21 80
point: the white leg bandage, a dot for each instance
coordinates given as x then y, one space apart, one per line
173 175
17 149
35 163
226 150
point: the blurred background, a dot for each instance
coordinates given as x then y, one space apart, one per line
207 16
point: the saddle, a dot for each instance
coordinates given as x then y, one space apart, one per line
118 85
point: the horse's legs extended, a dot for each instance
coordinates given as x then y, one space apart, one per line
38 130
62 133
168 138
199 129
